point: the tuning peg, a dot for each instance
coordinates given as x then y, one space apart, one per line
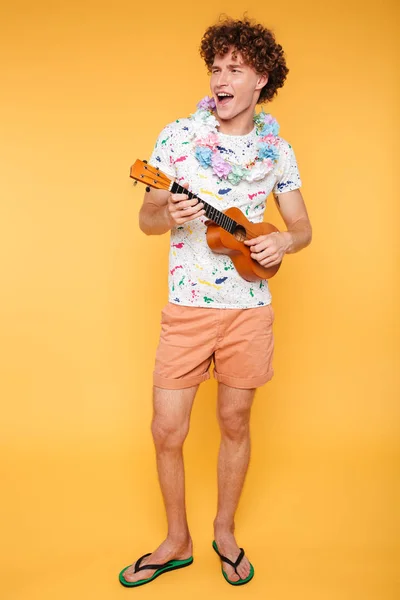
147 188
145 161
135 183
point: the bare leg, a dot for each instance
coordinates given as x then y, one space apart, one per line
170 426
234 408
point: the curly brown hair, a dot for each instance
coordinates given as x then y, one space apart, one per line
257 46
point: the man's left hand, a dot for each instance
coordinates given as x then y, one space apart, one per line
270 249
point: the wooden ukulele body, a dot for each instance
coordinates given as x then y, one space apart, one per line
222 242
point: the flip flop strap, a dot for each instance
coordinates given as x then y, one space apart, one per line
239 558
144 567
139 560
237 561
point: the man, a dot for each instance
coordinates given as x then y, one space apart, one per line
229 157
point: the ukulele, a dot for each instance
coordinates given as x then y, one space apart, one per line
228 230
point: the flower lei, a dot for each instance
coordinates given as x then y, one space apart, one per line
207 148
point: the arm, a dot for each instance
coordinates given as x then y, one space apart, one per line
162 210
154 218
293 211
270 249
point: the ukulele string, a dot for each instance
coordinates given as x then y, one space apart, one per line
252 235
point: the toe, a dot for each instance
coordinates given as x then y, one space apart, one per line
232 575
242 573
133 577
230 572
244 569
128 574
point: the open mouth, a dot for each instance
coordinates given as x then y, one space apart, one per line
224 98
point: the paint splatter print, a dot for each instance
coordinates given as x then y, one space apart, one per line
198 276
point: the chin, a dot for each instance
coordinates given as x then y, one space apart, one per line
222 116
226 114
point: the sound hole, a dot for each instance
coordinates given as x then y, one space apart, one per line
240 233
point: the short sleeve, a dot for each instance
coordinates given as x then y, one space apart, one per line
162 157
288 176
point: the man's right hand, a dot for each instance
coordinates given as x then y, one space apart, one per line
181 209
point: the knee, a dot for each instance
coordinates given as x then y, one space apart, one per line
234 424
168 435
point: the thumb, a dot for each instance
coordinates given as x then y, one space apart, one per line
255 240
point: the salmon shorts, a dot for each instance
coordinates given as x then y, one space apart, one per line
240 342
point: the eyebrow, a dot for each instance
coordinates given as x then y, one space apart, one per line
231 65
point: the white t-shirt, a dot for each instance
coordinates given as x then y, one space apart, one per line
197 275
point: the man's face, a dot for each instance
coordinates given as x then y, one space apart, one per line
235 85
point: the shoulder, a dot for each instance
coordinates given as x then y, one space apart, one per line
169 145
177 128
283 145
286 152
286 168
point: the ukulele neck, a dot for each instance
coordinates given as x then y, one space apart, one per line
212 213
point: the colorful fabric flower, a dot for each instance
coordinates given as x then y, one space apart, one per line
207 103
203 122
270 139
236 175
210 140
259 171
272 128
268 151
204 156
220 166
266 124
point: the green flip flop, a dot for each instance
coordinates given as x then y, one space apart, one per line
171 565
234 565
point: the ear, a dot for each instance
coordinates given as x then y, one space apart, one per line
261 81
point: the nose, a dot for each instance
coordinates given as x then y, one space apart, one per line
223 78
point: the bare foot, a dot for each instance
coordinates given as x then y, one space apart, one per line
228 547
168 550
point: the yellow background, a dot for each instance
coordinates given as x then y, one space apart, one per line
86 88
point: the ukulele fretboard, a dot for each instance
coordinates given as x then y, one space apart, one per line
211 213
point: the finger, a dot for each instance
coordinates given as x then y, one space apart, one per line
264 245
261 245
196 216
185 210
261 238
269 261
182 220
182 204
253 241
188 211
259 256
178 197
187 203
